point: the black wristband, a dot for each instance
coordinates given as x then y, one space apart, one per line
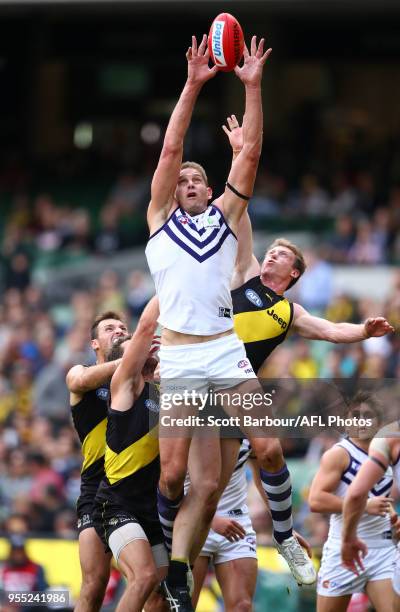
237 193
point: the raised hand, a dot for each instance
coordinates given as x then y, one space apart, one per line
235 133
377 326
197 56
250 73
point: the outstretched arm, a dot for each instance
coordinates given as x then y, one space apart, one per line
81 379
246 265
125 382
244 168
167 173
316 328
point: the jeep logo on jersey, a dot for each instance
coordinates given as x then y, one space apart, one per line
243 363
217 36
275 317
102 393
152 405
253 297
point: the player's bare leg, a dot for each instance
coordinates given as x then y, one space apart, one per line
137 564
198 507
195 514
237 580
333 604
396 602
229 453
379 592
156 602
95 567
174 454
199 575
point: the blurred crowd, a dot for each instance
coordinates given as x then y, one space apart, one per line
359 222
40 455
365 221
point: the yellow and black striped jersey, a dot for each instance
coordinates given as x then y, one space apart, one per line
261 318
132 464
89 416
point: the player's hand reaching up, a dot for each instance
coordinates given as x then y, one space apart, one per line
250 73
377 326
197 57
235 134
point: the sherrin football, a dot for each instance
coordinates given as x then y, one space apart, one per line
226 42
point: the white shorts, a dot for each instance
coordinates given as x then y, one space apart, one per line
130 532
220 363
222 550
335 580
396 572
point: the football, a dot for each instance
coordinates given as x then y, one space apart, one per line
226 42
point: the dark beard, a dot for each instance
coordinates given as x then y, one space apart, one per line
117 351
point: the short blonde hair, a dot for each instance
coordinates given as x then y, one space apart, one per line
299 263
196 166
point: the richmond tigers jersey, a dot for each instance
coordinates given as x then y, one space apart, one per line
132 465
191 260
370 527
261 318
89 416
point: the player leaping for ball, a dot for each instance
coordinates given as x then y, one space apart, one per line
191 255
258 291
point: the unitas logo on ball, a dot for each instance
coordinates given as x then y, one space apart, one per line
226 42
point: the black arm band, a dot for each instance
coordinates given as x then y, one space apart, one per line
236 192
381 465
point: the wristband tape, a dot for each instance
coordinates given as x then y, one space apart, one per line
381 465
237 193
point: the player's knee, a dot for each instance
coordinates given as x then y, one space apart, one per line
240 604
143 581
269 455
172 478
208 491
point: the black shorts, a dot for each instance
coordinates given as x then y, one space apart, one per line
84 511
108 517
84 522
